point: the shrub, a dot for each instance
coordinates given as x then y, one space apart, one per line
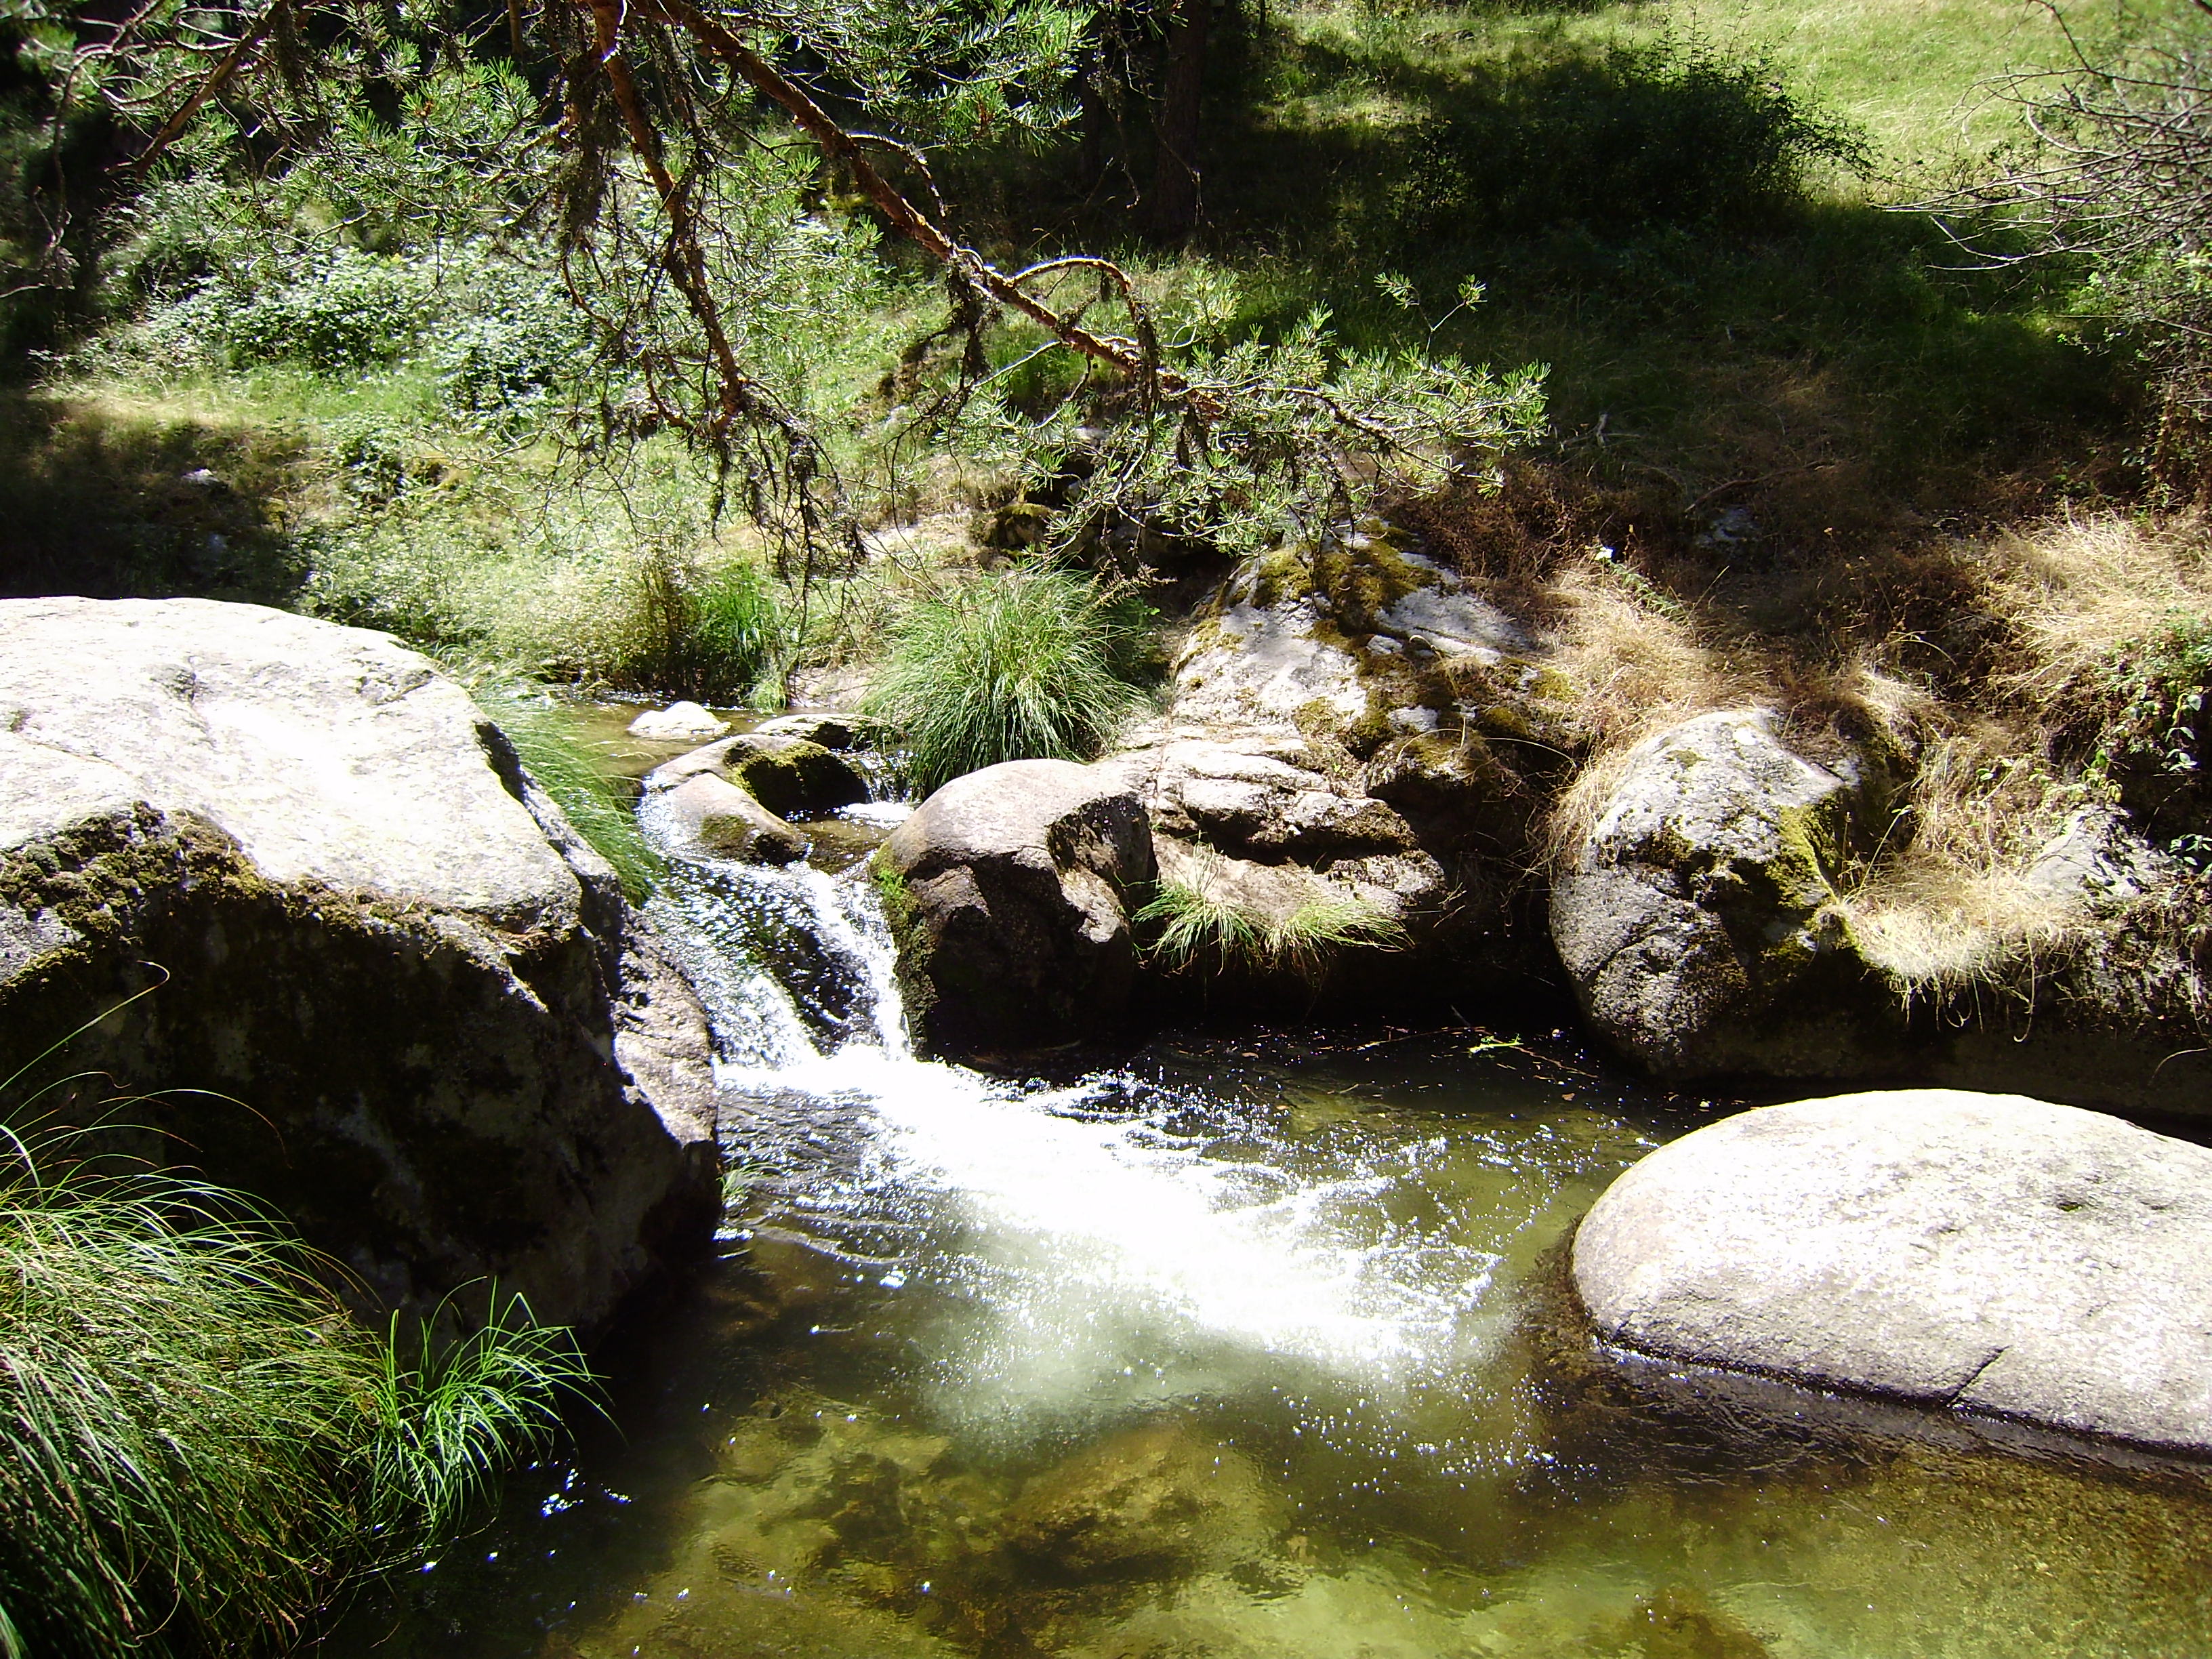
714 634
1665 134
196 1442
353 312
515 346
2120 178
1030 664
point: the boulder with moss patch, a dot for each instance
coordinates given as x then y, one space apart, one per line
430 1031
1696 921
790 776
1364 718
1011 891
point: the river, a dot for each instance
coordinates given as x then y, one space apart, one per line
1249 1345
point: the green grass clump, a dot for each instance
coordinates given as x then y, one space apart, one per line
196 1443
1030 664
1199 923
598 807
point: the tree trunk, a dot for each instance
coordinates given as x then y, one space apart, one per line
1175 174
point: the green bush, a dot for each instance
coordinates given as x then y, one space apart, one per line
715 634
196 1443
513 346
353 312
1030 664
1616 140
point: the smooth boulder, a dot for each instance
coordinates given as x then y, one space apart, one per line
429 1029
1008 895
1987 1253
677 722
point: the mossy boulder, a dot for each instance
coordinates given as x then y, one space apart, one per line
426 1026
1696 921
707 816
1009 894
792 777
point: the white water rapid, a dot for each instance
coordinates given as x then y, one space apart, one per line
1092 1245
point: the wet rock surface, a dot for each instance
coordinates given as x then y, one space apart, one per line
1984 1253
1009 891
705 815
449 1052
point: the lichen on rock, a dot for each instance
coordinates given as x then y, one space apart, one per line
427 1028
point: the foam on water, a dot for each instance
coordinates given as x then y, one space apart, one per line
1088 1228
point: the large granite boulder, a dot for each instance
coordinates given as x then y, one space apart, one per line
430 1031
1696 921
1987 1253
1009 894
1361 722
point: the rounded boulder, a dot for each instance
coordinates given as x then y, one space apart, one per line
1006 893
1984 1253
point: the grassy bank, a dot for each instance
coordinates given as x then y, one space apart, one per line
1796 447
198 1447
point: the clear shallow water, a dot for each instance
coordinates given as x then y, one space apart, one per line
1239 1348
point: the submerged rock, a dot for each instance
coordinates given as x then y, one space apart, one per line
1150 1503
1006 893
1695 922
1988 1252
436 1038
678 722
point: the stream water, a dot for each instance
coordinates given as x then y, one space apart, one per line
1237 1349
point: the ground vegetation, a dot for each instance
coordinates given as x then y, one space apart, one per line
1794 443
200 1447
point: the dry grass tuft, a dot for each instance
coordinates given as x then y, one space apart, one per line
2077 591
1948 902
1639 665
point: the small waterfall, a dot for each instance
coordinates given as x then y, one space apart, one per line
791 963
1078 1232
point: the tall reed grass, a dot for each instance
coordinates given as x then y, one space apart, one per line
198 1446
